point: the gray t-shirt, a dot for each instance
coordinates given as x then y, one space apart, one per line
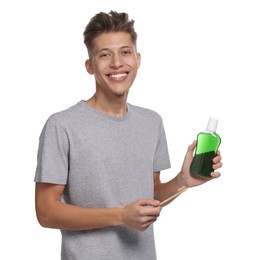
103 162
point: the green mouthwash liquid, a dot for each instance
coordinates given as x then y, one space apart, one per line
207 145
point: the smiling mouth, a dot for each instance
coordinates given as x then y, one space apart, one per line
118 76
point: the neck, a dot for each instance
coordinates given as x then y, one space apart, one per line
116 107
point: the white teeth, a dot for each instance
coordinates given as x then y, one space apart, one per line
118 75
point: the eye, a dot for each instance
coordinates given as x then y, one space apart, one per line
105 55
126 52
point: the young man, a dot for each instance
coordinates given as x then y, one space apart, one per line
99 162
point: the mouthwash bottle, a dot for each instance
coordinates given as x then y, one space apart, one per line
207 145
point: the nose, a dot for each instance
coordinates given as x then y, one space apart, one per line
116 61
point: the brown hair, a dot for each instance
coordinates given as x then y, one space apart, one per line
111 22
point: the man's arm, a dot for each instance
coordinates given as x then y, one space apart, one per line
53 213
162 191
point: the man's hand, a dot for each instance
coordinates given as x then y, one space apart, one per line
190 180
141 214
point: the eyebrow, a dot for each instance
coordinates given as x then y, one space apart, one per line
123 47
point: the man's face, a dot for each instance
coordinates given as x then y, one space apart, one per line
114 62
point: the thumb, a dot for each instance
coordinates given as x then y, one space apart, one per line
191 148
193 145
189 155
149 202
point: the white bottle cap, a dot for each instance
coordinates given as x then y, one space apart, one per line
212 125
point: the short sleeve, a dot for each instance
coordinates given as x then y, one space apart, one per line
53 153
161 158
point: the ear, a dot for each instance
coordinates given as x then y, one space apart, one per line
138 60
89 67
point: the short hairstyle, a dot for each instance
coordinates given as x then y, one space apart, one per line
108 22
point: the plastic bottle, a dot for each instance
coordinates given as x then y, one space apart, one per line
207 145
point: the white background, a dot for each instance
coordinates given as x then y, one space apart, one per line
199 60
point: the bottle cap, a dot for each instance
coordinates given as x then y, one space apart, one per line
212 125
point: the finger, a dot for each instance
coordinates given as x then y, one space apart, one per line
149 202
150 211
215 174
192 146
217 165
190 150
144 227
148 223
217 159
